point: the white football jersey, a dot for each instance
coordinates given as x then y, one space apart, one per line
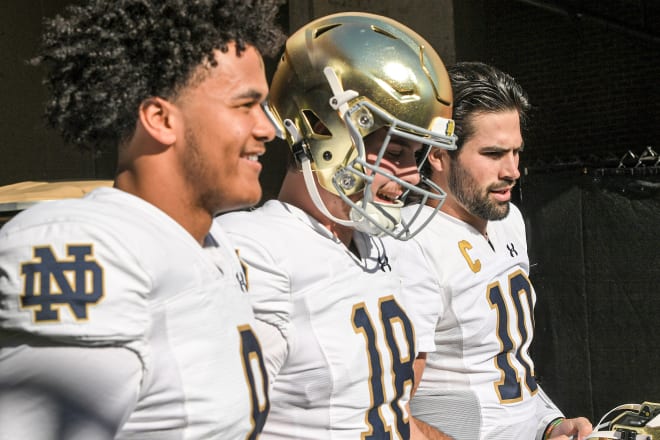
346 367
116 323
479 383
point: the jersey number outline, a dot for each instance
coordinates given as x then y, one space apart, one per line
391 316
253 360
508 388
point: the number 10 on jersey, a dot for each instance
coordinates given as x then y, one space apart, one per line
509 388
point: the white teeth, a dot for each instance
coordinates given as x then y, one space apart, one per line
387 197
253 157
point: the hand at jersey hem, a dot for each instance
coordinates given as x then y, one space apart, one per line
577 428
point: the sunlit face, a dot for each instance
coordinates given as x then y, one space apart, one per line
399 160
481 176
225 131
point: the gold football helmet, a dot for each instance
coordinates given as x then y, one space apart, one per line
630 422
343 77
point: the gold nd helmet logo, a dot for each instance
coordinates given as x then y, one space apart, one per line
50 284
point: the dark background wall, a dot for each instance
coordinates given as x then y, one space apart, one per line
592 70
594 250
591 67
27 150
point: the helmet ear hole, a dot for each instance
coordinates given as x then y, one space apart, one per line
315 124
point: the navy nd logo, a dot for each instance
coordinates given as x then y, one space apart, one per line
50 284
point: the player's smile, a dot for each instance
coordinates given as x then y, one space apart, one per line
388 196
398 160
253 159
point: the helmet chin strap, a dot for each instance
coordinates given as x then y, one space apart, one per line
375 222
357 220
313 191
371 217
374 210
308 176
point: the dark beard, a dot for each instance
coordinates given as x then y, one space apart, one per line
465 190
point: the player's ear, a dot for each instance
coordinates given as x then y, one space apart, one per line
438 159
158 116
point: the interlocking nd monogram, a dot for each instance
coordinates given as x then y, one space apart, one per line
50 284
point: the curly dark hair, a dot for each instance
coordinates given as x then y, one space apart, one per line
104 58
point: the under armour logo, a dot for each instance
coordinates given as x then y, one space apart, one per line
512 250
384 263
242 276
49 283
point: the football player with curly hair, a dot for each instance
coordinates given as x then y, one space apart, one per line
124 314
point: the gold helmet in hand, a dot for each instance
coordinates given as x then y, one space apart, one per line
630 422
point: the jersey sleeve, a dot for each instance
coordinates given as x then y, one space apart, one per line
268 284
520 228
72 281
546 412
274 345
51 392
422 294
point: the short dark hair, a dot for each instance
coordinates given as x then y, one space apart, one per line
480 88
105 57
